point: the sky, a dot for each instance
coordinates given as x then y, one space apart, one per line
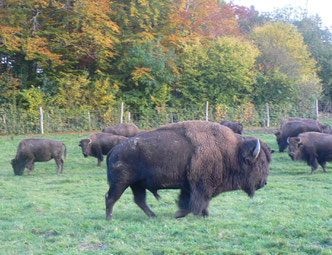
321 7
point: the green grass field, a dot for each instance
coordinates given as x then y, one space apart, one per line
48 214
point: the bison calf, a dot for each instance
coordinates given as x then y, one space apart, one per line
99 144
123 129
200 158
313 147
33 150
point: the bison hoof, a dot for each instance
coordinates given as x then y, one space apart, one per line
109 217
181 213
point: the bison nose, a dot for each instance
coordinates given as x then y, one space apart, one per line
291 154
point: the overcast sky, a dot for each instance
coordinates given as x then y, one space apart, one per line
321 7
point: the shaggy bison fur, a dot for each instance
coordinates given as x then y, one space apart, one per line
123 129
99 144
313 147
235 126
200 158
33 150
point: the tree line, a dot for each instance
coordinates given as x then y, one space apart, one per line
159 55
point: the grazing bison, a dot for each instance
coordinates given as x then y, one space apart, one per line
99 144
313 147
293 128
123 129
323 127
235 126
33 150
202 159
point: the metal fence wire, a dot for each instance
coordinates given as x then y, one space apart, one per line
53 120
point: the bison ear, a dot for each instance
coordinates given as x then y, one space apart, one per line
277 133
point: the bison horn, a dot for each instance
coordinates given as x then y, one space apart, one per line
257 149
90 141
287 140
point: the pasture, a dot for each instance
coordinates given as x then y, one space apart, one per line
48 214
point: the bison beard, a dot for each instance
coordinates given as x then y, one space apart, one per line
202 159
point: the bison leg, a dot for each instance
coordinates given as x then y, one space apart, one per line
113 194
30 166
183 204
100 159
198 202
323 165
62 163
140 199
314 164
59 163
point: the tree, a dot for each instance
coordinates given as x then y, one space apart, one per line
221 72
284 51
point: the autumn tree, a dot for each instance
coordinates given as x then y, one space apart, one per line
283 51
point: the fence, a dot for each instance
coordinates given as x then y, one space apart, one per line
52 120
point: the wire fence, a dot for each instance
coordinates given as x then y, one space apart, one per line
52 120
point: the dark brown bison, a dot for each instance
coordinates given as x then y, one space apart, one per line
292 129
99 144
123 129
323 127
33 150
313 147
235 126
202 159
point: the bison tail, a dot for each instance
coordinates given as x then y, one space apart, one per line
65 151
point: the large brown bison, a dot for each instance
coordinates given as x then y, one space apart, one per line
33 150
293 128
313 147
200 158
99 144
235 126
123 129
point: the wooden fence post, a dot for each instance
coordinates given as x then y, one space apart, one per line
316 106
5 123
128 116
89 120
207 111
121 117
41 120
267 115
171 116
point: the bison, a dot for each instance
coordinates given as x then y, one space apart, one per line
202 159
235 126
293 128
99 144
123 129
313 147
33 150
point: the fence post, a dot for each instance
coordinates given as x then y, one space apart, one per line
4 123
171 115
207 111
89 120
128 116
121 117
267 115
316 106
41 120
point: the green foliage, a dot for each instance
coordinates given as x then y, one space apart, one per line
221 72
147 74
283 51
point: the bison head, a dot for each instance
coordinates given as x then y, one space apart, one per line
86 144
295 150
18 166
282 144
254 157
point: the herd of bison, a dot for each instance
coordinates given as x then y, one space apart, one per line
202 159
